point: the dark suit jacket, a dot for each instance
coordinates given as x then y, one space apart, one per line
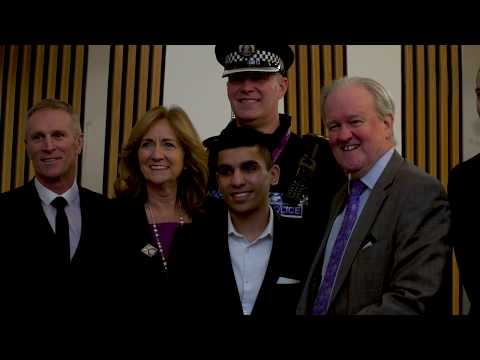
463 193
203 277
139 283
140 279
397 256
32 238
29 252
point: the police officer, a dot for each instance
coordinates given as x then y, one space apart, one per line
257 81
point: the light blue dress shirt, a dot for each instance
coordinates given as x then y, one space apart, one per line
370 179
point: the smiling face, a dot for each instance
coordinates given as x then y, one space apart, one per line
254 97
53 145
358 136
160 155
244 180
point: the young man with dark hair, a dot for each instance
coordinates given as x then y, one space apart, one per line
248 260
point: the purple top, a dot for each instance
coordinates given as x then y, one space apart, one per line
165 231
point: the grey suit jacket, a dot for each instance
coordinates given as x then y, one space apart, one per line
396 260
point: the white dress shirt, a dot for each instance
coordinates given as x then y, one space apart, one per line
72 210
249 261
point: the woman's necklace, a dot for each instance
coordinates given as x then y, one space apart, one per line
156 234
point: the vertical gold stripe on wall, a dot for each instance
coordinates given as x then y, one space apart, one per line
339 61
52 70
77 79
327 64
2 64
23 107
9 118
129 92
156 75
444 113
37 85
143 81
420 108
303 93
38 79
66 60
455 110
315 81
455 135
409 103
291 98
432 111
454 158
113 137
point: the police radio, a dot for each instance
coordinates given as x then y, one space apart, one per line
297 191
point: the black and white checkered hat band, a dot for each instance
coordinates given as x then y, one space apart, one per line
259 61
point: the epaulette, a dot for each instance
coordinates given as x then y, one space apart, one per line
209 142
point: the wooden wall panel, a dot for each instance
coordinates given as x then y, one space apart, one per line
135 86
314 67
28 74
143 81
431 120
314 90
290 99
408 94
20 152
303 80
8 116
420 124
112 136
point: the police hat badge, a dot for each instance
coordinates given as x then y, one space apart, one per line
258 58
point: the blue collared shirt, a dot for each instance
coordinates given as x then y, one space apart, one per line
370 179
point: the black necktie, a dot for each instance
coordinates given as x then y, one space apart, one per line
61 227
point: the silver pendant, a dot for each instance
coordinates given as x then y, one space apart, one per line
149 250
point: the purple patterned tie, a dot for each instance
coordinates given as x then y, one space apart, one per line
321 301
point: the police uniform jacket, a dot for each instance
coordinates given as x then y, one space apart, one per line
328 177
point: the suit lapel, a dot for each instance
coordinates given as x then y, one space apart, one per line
367 219
83 236
337 206
37 236
272 272
33 204
228 284
338 203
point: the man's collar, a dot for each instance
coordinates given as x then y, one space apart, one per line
372 176
268 231
47 195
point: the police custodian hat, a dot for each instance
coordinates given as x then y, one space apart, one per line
262 58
